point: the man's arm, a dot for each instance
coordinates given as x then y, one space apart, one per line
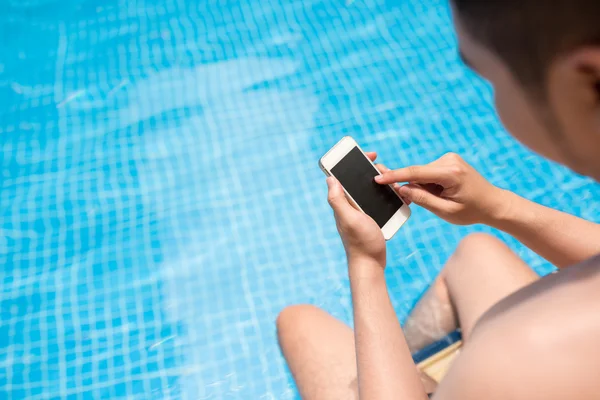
454 191
385 367
560 238
384 364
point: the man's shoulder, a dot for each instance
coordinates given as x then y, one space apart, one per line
532 343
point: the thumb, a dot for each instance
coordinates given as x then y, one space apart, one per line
337 198
422 197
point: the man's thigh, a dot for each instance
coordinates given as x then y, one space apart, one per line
320 353
482 272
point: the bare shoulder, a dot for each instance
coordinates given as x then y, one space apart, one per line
542 342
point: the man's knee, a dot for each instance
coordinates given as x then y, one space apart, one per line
472 252
476 246
475 243
292 320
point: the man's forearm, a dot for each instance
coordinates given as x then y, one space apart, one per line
385 366
560 238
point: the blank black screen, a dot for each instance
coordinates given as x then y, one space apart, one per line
356 174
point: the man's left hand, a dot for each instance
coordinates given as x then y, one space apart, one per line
362 237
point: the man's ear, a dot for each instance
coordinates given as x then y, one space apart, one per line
586 62
573 94
573 83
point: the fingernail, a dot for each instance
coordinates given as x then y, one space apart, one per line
404 191
330 181
378 178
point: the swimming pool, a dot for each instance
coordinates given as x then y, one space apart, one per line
160 194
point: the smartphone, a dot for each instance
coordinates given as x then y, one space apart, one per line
353 169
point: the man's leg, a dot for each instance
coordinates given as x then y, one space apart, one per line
482 271
320 352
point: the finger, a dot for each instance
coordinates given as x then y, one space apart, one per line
433 188
404 199
337 198
421 196
353 204
416 174
383 169
372 155
397 189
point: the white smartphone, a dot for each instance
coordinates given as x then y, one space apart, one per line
353 169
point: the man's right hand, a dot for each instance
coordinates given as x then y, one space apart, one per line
451 189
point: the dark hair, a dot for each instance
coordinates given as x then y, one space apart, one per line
529 34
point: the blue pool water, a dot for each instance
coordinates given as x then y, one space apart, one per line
160 195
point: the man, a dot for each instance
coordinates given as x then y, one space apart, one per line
524 337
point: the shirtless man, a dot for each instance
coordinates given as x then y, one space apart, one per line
524 337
